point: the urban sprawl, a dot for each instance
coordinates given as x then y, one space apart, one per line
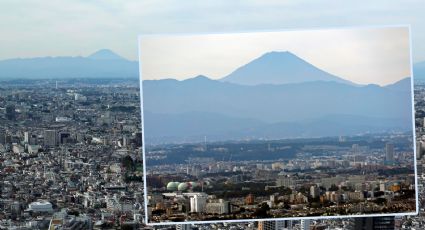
70 158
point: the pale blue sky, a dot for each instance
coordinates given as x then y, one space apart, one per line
31 28
364 55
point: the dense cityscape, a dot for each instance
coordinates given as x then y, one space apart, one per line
313 177
70 154
70 159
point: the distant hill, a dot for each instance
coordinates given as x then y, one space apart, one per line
419 71
102 64
182 110
404 84
279 68
277 95
272 103
194 126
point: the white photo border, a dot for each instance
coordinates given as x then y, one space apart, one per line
145 195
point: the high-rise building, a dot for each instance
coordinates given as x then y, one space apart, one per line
33 140
389 153
419 149
250 199
266 225
373 223
220 207
64 137
10 112
26 137
138 139
50 138
197 203
355 148
275 225
2 137
8 139
287 224
314 191
183 227
305 224
284 181
382 186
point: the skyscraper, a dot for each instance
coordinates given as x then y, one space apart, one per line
305 224
64 137
197 203
26 137
275 225
50 138
2 136
183 227
355 148
389 153
419 149
373 223
10 112
314 191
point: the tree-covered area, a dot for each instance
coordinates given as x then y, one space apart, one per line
263 150
234 190
122 108
133 169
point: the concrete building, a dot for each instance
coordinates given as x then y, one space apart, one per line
314 191
372 223
284 181
183 227
50 138
250 199
275 225
40 206
220 207
197 203
389 153
305 224
10 112
26 137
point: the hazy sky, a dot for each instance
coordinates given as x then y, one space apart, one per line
362 55
31 28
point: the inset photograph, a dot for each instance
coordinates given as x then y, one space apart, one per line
278 125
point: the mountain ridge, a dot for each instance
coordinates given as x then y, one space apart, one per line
419 70
403 84
266 105
279 68
105 54
98 65
181 128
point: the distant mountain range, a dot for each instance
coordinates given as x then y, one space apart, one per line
193 127
107 64
419 71
277 95
103 64
189 110
402 85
